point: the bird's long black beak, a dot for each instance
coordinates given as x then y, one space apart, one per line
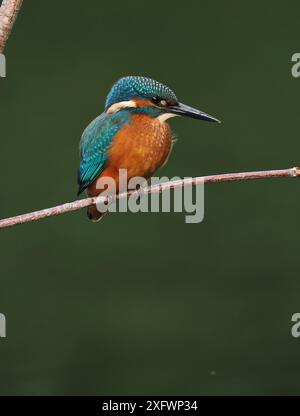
185 110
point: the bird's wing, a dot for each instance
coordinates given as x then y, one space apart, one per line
95 142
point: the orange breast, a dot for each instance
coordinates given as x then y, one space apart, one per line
141 147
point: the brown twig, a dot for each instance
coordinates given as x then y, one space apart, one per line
8 13
79 204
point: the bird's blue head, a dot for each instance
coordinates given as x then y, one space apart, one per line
145 93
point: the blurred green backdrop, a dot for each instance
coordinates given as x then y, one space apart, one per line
144 303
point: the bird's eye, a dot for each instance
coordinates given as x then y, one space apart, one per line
156 100
159 101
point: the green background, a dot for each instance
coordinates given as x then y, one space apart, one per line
144 303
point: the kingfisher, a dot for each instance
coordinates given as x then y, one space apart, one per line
132 133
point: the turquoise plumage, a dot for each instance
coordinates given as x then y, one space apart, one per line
95 142
138 87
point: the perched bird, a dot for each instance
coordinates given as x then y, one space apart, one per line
131 134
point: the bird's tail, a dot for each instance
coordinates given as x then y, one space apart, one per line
94 215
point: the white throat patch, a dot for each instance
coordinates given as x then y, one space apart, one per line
165 116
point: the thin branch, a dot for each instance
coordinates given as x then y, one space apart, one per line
79 204
8 13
